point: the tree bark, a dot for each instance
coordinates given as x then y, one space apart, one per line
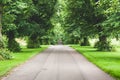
85 42
103 44
33 41
12 44
1 40
0 22
103 38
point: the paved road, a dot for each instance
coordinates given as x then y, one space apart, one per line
58 63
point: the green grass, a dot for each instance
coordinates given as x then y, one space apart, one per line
107 61
18 58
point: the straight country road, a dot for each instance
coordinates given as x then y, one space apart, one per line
58 62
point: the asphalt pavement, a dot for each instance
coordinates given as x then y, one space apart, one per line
58 62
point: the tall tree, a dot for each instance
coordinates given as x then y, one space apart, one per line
93 18
79 16
14 13
45 10
4 53
103 11
3 3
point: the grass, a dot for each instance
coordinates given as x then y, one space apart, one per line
19 58
107 61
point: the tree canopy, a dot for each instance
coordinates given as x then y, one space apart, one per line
48 21
92 19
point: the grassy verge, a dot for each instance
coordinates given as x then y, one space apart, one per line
18 59
107 61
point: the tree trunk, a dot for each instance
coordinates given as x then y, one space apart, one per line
0 22
12 44
103 38
33 42
1 40
103 44
85 42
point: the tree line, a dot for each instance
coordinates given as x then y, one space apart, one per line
21 18
46 21
92 19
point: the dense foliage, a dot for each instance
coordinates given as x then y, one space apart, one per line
92 19
51 21
25 18
5 54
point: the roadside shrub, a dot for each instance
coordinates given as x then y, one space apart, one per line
33 43
5 40
2 44
14 46
85 42
5 54
104 46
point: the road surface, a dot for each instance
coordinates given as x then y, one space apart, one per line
58 63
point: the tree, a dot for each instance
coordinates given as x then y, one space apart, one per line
2 4
93 18
28 18
14 13
80 18
103 23
4 53
45 10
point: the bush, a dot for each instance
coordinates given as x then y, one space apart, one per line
85 42
14 46
5 54
104 46
2 44
33 44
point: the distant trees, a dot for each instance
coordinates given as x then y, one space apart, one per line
79 20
